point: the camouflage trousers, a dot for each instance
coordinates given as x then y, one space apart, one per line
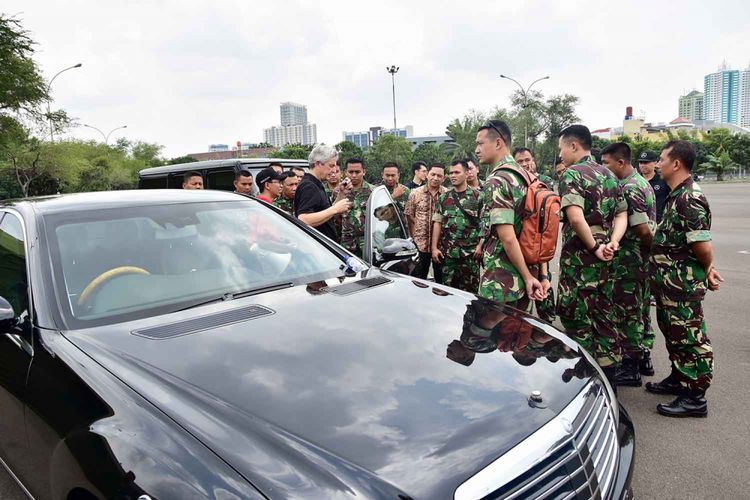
355 245
628 310
461 273
545 308
585 310
648 330
688 345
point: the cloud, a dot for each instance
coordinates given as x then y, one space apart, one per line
187 74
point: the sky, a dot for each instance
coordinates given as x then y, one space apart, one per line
188 74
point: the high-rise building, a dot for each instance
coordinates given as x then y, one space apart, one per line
294 128
292 114
721 99
360 139
745 98
367 138
691 106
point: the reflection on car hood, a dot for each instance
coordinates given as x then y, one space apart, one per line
404 387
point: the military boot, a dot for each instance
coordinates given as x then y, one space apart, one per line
687 404
669 385
646 367
628 374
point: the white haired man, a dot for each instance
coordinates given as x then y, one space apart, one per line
311 203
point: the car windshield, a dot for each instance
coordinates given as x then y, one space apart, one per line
127 263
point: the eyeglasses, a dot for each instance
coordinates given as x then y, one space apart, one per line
489 124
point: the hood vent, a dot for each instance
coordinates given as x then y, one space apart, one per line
194 325
358 286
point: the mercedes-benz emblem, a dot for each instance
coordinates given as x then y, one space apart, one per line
536 396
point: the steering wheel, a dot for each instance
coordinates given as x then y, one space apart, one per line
106 276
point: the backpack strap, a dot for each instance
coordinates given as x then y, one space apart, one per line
520 172
471 218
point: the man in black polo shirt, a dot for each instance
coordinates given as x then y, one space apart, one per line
311 204
647 163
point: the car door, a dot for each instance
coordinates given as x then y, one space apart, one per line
15 338
387 245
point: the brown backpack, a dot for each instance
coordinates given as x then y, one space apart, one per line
541 219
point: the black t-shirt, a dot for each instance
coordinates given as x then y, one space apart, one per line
311 198
412 185
661 191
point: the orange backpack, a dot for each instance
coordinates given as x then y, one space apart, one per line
541 219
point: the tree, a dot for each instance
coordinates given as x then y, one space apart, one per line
719 164
463 131
293 151
386 149
431 153
347 149
148 153
22 87
180 159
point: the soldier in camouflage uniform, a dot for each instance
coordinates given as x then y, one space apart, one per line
682 264
398 192
525 159
456 235
289 183
357 191
594 213
630 270
505 277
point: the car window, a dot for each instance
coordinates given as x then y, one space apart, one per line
128 263
153 182
13 279
385 221
222 180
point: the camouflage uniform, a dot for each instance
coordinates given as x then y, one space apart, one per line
337 217
459 238
546 180
679 284
502 203
285 204
585 288
630 272
353 222
401 202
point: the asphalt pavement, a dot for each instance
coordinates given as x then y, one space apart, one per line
689 458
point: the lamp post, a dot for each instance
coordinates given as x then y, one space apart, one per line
525 95
105 136
49 87
393 70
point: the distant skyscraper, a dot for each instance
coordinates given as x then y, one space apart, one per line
292 114
745 98
691 106
368 138
294 128
721 99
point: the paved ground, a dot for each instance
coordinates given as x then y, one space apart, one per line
693 458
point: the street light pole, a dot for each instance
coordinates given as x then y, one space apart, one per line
105 136
525 95
393 70
49 98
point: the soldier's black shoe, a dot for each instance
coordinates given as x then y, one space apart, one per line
689 404
628 374
646 367
667 386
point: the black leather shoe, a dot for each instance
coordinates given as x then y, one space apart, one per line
689 404
667 386
646 367
628 374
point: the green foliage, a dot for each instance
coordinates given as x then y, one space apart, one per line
599 143
386 149
293 151
347 149
432 153
180 159
720 164
463 131
22 87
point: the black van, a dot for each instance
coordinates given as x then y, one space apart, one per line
217 174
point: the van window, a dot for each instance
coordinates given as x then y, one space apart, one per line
222 180
153 182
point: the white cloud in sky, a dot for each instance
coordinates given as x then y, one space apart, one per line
188 74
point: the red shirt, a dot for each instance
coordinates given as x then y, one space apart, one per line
263 198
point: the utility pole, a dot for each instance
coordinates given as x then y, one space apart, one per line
393 70
525 95
49 87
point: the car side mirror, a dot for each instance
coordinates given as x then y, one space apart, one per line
398 249
7 316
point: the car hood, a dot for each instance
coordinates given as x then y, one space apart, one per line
377 385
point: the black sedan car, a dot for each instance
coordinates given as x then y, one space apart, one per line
168 344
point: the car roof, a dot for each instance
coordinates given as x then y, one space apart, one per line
120 199
209 164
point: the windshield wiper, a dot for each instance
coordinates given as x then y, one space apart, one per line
238 295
